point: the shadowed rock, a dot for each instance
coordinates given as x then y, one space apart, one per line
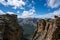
11 29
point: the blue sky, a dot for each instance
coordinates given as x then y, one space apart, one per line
31 8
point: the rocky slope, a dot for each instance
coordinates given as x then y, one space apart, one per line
48 29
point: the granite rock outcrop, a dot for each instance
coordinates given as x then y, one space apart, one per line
9 28
47 29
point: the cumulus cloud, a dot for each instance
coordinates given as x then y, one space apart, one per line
15 3
30 13
53 3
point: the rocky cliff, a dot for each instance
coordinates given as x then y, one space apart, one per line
47 29
9 28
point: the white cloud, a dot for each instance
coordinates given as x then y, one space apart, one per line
3 2
49 15
15 3
53 3
57 12
1 12
10 12
30 13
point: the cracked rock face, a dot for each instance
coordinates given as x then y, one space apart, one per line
47 29
9 28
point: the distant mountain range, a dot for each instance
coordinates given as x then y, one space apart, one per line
28 25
